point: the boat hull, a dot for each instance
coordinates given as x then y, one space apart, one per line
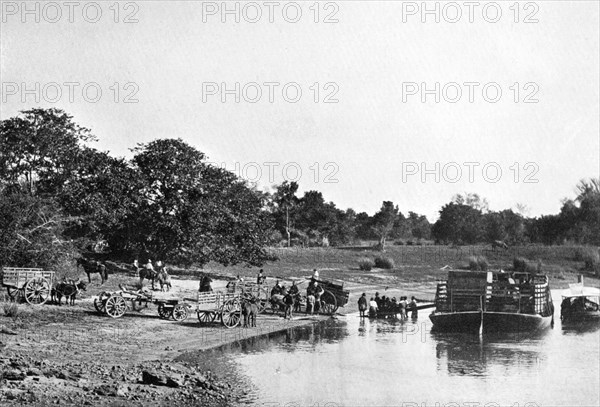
470 321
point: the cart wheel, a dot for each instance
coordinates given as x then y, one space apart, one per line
100 305
231 313
13 293
328 303
164 312
206 317
180 312
37 291
116 306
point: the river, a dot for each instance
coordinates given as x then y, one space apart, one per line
350 361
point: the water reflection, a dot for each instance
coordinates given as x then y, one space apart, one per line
467 354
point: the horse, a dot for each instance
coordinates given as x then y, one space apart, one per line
499 244
147 274
91 267
69 290
164 279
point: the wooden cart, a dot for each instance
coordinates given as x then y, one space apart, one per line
258 293
225 306
115 304
32 284
333 297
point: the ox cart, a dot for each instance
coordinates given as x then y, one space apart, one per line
115 304
333 297
227 307
257 293
32 284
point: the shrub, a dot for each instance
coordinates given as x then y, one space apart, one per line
399 243
409 242
384 262
366 264
523 265
11 309
478 263
591 261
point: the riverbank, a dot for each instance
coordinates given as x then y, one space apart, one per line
71 355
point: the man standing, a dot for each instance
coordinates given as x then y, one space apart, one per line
372 308
260 278
362 304
413 306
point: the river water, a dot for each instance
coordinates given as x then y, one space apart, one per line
351 361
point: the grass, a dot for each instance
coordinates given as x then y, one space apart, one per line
413 263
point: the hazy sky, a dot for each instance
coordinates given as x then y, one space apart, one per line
377 136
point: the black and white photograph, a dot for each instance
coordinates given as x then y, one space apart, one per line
310 203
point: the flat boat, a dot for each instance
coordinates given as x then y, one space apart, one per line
492 301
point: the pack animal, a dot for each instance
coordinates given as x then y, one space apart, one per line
91 267
164 279
147 274
67 289
249 311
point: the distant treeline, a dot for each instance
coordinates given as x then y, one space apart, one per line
60 197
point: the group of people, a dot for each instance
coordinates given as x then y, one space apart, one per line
153 271
388 307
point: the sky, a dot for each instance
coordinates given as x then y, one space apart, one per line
364 101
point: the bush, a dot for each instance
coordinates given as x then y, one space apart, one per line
591 261
366 264
384 262
524 265
11 309
590 258
399 243
479 263
409 242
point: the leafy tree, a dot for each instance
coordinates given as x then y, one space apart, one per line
383 222
419 226
459 224
39 150
191 212
286 201
473 200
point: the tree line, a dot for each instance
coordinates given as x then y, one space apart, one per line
60 197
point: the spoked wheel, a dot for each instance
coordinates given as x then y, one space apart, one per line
13 293
180 312
328 303
206 317
100 302
164 312
37 291
100 305
116 306
231 313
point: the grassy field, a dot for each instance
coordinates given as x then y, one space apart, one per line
412 264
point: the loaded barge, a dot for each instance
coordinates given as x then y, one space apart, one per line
492 301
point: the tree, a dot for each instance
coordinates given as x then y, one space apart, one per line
31 232
459 224
286 201
192 212
473 200
40 149
383 222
